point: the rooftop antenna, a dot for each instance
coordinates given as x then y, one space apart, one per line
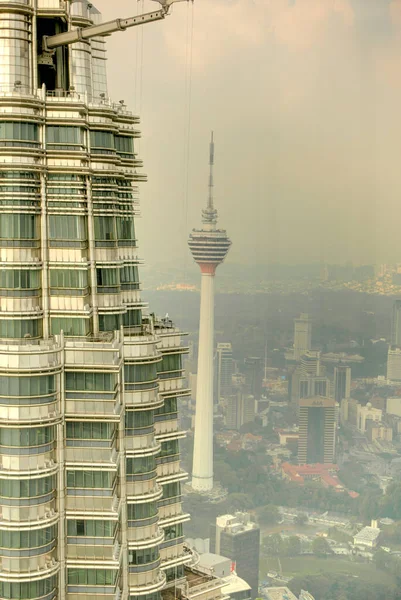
209 215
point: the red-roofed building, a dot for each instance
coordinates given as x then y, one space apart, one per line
325 474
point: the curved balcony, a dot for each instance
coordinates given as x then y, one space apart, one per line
43 458
147 536
47 411
146 583
27 510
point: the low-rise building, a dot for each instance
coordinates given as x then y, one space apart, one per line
368 537
365 414
284 593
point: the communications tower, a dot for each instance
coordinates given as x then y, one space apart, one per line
209 247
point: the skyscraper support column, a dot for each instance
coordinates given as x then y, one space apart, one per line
202 474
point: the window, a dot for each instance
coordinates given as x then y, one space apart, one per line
102 139
173 531
109 322
170 366
30 538
140 373
27 488
140 465
142 511
19 279
89 381
169 406
27 589
60 137
125 229
27 386
144 556
89 430
132 318
124 144
108 280
72 326
104 228
135 419
129 277
28 436
168 448
16 328
17 226
92 577
19 130
90 479
172 490
89 528
68 278
67 227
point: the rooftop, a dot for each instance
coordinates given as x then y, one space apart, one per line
367 535
280 593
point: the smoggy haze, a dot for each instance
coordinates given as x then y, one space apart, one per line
304 97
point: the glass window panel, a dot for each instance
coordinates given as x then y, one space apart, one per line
74 327
15 328
67 227
18 226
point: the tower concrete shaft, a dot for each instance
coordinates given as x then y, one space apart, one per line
202 471
209 247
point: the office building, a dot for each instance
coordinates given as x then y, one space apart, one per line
395 338
240 409
238 538
310 363
253 371
224 370
394 364
367 413
342 382
89 384
235 587
317 425
302 336
209 247
304 385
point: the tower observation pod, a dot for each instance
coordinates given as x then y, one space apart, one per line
209 247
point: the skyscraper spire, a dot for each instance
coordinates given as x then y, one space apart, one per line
209 215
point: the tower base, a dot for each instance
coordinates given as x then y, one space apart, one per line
214 496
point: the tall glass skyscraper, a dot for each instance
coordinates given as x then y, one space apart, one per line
90 500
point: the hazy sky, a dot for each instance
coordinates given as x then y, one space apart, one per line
304 97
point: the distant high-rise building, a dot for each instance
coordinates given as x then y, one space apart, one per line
238 538
394 364
209 247
395 339
317 425
310 363
240 410
253 370
302 335
304 385
224 371
342 382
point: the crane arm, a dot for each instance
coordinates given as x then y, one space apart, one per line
86 33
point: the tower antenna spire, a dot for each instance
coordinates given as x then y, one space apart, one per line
211 165
209 215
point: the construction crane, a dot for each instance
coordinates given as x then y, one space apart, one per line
81 34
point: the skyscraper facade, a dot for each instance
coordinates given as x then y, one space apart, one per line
89 385
224 371
317 427
302 335
342 382
396 324
253 370
209 247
